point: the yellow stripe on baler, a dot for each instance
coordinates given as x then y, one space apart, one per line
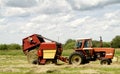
49 54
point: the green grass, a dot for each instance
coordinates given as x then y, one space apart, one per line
10 73
15 62
117 52
67 52
11 52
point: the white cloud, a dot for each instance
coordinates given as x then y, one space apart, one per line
53 7
19 8
14 12
78 22
0 2
19 3
111 15
2 24
48 28
39 18
2 20
83 4
59 19
91 4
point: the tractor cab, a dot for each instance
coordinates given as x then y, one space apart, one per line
83 43
85 46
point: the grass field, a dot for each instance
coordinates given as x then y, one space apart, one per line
15 62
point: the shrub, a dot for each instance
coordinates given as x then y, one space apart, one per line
3 47
10 46
14 46
69 44
116 42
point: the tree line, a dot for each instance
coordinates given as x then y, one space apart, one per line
69 44
115 43
10 46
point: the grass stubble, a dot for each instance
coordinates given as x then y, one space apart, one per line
18 64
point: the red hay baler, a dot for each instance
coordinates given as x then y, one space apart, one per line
41 50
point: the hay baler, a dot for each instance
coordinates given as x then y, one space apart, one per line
41 50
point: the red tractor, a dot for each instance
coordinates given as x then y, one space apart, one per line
84 53
41 50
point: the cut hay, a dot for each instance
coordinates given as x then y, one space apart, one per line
115 59
32 55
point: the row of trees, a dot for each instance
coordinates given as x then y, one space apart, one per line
115 43
70 44
10 46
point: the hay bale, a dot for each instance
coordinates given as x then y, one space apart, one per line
32 56
115 59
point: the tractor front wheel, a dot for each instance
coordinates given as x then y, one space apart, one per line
76 58
105 62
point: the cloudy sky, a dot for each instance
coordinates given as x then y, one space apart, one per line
59 19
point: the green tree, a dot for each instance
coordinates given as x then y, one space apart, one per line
3 47
10 46
95 43
106 44
115 43
70 43
14 46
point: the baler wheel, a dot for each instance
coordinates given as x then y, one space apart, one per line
49 62
76 58
32 56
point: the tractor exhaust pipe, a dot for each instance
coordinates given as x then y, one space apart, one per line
101 42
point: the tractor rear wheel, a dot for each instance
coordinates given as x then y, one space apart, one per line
105 62
32 56
76 58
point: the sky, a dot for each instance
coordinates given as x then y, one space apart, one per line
59 20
